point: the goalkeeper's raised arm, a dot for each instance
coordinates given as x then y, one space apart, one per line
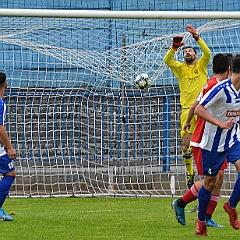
206 53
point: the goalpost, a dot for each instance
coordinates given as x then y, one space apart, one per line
78 122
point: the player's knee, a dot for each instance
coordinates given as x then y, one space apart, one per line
210 185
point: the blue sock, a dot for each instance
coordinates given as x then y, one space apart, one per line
5 185
204 197
235 196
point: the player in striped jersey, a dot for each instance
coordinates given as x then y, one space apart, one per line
221 70
220 108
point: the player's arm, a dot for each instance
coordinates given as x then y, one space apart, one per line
201 111
191 113
206 53
193 31
6 142
169 57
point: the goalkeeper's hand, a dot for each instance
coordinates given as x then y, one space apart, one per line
177 42
193 31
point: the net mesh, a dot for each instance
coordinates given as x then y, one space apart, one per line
75 116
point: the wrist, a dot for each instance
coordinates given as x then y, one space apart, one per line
174 48
196 37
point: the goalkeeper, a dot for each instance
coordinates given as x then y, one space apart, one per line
192 75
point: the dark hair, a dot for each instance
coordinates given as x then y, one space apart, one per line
2 78
221 63
236 64
230 59
191 48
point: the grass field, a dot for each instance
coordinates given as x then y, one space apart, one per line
104 218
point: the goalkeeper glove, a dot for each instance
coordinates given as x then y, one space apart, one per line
177 42
193 31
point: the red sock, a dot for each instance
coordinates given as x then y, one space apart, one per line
212 204
190 195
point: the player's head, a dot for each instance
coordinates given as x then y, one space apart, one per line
221 63
189 54
2 78
3 82
236 64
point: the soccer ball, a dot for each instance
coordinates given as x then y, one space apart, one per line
143 82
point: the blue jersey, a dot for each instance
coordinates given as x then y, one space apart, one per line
2 121
222 102
2 111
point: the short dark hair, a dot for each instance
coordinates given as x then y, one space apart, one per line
230 59
191 48
221 63
2 78
236 64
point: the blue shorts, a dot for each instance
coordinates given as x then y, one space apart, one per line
6 164
212 160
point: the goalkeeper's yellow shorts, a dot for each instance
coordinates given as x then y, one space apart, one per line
183 118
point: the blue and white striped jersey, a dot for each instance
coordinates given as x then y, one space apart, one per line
222 102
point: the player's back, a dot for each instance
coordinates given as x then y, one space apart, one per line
198 132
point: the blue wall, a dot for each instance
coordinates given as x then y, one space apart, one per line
153 5
19 61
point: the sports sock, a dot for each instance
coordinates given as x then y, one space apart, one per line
212 205
189 196
203 202
5 185
235 196
189 164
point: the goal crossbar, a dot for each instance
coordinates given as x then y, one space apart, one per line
119 14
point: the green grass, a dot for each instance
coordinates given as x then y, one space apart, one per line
104 218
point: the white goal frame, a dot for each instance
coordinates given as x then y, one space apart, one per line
119 176
119 14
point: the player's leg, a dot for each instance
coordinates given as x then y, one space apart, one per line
211 164
204 197
178 205
230 206
9 174
187 150
187 158
215 195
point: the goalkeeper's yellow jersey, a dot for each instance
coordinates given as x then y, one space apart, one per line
191 79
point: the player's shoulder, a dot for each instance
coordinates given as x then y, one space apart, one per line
210 83
1 101
224 84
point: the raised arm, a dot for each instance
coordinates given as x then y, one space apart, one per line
169 57
206 53
193 31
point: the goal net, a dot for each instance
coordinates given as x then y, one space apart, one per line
75 116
